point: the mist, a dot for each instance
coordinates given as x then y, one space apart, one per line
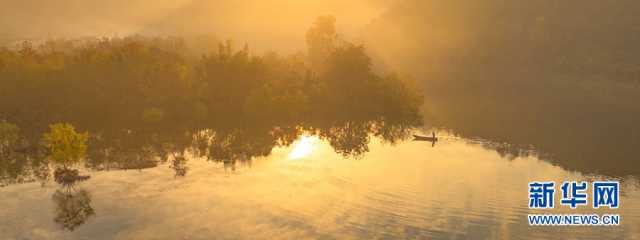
319 119
545 73
562 76
277 25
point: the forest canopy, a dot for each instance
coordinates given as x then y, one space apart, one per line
145 81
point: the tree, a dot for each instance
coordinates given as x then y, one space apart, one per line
66 146
9 135
321 40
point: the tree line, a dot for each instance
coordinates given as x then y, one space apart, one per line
141 81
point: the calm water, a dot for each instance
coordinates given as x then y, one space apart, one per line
456 190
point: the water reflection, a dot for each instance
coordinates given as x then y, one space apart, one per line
147 148
306 189
303 147
179 165
291 182
143 149
574 136
72 207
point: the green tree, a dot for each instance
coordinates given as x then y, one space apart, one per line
66 146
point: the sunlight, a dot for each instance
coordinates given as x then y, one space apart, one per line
303 147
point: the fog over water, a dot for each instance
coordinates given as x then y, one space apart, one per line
543 73
249 119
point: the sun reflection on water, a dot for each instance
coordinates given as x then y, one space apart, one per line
303 147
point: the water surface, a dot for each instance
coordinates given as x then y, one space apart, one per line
457 189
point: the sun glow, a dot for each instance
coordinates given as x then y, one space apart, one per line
303 147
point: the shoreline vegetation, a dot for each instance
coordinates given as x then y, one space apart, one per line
145 100
140 81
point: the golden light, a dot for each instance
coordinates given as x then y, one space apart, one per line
303 147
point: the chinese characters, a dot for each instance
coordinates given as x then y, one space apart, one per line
574 194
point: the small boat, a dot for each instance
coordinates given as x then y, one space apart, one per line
433 138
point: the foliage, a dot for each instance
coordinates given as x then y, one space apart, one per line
152 115
134 82
9 136
65 145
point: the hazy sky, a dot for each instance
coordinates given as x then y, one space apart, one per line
264 24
